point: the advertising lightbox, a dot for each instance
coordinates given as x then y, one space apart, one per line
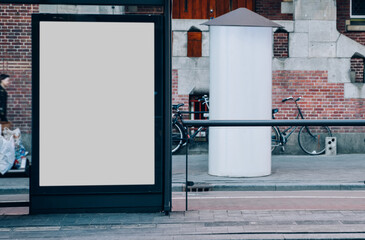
96 103
98 118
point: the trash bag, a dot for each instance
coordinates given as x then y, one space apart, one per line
20 155
20 152
7 154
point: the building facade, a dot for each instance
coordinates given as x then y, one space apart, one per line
319 55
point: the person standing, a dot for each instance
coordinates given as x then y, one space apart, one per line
4 83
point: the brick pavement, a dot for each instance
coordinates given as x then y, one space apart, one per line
302 172
289 173
238 223
207 224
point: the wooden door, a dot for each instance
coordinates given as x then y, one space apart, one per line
207 9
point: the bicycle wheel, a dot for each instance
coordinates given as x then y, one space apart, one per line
178 137
275 138
312 139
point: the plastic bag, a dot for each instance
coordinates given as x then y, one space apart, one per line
20 155
7 133
20 152
7 154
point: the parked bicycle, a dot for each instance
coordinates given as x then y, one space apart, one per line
311 139
179 131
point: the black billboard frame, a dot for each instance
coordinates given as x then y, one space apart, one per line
119 198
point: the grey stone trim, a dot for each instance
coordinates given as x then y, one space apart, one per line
288 25
180 44
323 31
193 81
346 47
338 68
81 9
205 44
287 7
322 49
185 24
298 45
301 26
190 63
354 90
315 10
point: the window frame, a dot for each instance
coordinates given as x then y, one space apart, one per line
355 16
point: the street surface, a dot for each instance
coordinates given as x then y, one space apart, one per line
324 198
271 200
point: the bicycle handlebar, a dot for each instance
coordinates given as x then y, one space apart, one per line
286 99
176 107
291 98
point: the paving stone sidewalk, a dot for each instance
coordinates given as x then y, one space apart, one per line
299 172
217 224
341 172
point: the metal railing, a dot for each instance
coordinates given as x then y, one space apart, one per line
269 123
258 123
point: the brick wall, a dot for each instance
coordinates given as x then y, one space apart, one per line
176 97
357 66
15 60
320 99
281 44
271 9
343 14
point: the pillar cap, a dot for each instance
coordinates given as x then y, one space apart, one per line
242 17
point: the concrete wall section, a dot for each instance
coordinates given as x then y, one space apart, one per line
338 68
347 47
322 49
315 44
298 45
180 44
81 9
354 90
323 31
287 25
315 10
193 73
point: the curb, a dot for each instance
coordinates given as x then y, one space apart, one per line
204 187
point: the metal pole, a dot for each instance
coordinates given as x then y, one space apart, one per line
186 171
167 107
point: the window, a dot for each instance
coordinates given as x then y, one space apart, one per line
198 111
357 8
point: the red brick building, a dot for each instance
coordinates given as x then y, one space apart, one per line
314 56
318 55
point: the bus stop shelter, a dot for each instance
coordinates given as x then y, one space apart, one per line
93 151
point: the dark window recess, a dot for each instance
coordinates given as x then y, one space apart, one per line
194 42
281 44
196 105
198 111
357 69
358 7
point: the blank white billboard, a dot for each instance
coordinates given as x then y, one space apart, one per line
97 103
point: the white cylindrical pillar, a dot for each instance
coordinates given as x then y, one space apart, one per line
240 89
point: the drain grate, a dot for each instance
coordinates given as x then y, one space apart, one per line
198 188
